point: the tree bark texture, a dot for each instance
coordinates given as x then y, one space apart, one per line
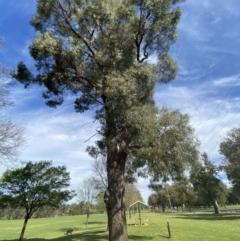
115 196
23 228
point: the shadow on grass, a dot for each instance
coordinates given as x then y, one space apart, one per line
210 217
86 236
83 227
136 237
98 222
164 237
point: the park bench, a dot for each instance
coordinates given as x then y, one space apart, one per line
69 231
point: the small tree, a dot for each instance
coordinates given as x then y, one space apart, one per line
34 186
88 193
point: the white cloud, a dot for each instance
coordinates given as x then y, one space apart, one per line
228 81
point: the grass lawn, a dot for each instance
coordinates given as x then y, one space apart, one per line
184 227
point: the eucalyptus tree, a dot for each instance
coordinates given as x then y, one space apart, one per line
99 52
175 147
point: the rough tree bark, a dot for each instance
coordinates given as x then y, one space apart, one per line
115 196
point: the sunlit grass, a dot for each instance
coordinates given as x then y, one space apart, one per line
184 226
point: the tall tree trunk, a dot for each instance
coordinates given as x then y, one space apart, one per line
24 228
115 195
216 208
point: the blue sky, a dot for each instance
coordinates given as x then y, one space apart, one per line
207 86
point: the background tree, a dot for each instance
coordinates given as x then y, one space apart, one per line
160 196
208 185
100 204
177 147
230 149
11 134
88 193
43 212
73 209
98 51
152 200
232 199
182 193
132 194
34 186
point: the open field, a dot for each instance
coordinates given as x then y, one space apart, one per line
184 227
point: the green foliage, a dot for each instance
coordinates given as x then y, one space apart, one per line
182 193
207 183
35 185
174 150
232 199
230 149
179 194
159 199
100 205
98 50
93 47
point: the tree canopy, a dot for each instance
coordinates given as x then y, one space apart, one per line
99 52
230 149
208 184
34 186
160 197
175 147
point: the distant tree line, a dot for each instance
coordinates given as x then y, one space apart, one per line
203 188
180 201
45 212
78 207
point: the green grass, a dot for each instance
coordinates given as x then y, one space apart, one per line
184 227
